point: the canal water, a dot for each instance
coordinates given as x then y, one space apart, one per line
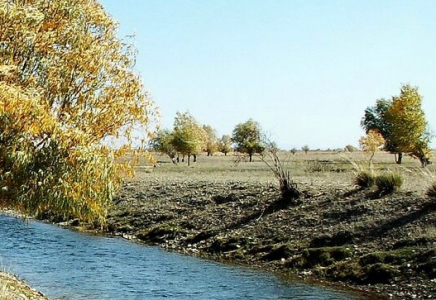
64 264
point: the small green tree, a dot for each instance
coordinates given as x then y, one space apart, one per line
305 148
189 135
163 142
225 144
409 125
247 138
293 151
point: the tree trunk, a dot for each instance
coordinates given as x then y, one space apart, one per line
195 157
225 153
399 158
424 161
189 160
251 156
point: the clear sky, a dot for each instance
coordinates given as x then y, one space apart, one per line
305 70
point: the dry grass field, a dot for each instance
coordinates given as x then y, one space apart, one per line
314 169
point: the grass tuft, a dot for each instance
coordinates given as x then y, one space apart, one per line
364 179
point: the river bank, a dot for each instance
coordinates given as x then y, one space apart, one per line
13 288
382 246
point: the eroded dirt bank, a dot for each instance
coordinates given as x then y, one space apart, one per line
381 245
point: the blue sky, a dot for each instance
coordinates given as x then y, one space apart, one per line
305 70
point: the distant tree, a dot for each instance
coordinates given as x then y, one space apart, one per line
371 143
211 142
293 151
189 135
225 144
305 148
409 125
163 142
248 138
350 148
375 119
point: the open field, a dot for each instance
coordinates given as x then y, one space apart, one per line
219 209
314 169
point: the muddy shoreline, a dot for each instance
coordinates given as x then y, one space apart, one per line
344 237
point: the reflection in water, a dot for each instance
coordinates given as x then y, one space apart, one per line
68 265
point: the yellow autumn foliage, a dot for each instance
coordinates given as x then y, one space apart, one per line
66 84
372 142
409 123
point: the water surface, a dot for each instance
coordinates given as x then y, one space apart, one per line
64 264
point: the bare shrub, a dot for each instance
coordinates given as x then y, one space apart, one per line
288 187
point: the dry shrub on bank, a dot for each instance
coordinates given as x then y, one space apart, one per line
288 188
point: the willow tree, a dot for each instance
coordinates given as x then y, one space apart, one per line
409 125
66 84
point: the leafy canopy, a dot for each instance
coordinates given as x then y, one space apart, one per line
409 124
189 135
372 142
66 83
375 119
163 142
211 141
225 144
248 138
